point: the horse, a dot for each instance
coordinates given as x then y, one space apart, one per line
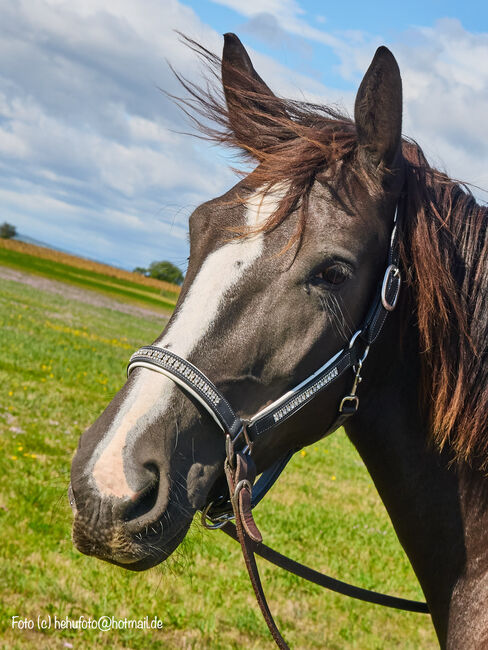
283 272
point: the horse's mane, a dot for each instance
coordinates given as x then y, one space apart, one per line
444 239
445 250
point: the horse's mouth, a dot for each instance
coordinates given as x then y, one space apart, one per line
133 551
150 551
134 545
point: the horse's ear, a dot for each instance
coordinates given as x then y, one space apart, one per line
250 101
378 110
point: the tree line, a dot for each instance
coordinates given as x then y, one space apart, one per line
163 270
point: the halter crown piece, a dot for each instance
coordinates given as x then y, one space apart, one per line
239 466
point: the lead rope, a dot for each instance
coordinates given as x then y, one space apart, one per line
240 472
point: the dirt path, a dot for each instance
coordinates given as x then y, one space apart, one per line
76 293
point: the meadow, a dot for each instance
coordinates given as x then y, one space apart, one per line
61 363
107 280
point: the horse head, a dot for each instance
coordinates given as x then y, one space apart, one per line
282 271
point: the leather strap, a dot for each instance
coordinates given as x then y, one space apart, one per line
191 379
323 580
296 399
387 294
247 533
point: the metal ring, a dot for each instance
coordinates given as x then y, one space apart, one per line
366 349
354 337
363 358
213 525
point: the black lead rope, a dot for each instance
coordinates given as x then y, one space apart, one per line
322 580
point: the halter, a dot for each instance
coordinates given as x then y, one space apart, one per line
241 434
200 387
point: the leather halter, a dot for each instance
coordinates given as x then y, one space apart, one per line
352 356
239 465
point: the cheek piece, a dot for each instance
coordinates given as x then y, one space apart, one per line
240 435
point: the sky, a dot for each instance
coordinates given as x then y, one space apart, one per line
94 158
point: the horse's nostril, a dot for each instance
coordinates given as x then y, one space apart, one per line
146 498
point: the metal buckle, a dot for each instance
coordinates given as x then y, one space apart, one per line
353 400
244 483
394 271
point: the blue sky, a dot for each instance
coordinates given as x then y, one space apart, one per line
91 155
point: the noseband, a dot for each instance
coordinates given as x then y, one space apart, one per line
240 436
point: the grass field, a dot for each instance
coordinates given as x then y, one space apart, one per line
107 280
61 363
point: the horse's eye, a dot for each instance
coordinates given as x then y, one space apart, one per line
333 275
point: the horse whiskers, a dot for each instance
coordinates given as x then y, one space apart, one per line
338 316
177 432
335 315
346 317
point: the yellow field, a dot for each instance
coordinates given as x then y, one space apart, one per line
89 265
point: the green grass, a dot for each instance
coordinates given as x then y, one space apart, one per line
61 363
120 289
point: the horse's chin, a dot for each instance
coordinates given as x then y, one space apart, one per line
154 554
133 551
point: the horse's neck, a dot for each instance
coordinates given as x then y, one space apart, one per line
439 513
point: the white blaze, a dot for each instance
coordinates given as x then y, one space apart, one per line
150 394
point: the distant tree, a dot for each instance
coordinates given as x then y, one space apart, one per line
166 271
140 270
7 230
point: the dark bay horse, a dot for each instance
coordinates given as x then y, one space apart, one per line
282 271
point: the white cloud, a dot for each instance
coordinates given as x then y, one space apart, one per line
445 78
82 120
84 126
289 9
288 14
